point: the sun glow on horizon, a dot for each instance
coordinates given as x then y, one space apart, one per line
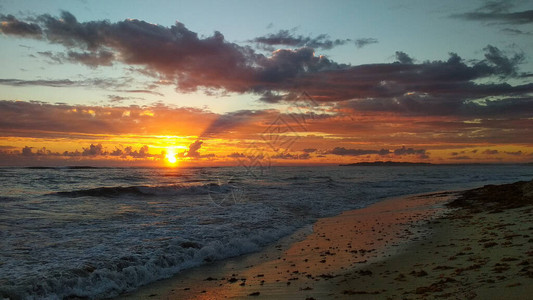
171 157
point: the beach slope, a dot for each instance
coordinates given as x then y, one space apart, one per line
476 244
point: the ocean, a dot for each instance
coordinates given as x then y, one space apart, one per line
99 232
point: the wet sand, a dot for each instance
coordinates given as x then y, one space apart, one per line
414 247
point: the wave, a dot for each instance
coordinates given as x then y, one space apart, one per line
64 168
167 190
106 279
9 199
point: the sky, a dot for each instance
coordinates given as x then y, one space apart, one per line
261 83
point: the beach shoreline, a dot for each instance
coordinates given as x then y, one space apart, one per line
293 266
475 244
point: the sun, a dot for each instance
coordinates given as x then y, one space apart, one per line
171 157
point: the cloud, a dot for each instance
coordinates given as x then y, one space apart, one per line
117 98
142 92
48 120
505 66
143 152
359 152
93 150
179 56
491 152
309 150
26 151
104 83
193 149
236 155
449 105
284 156
12 26
287 155
332 82
356 152
286 38
360 43
516 153
515 31
304 156
92 59
409 151
233 120
51 83
498 11
403 58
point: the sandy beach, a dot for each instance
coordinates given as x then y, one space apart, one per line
464 245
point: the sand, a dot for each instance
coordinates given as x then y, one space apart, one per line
416 247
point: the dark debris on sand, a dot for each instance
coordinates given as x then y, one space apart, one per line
495 198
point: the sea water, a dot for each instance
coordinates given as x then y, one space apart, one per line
99 232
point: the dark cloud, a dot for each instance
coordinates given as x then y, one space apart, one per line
26 151
236 155
403 58
515 31
491 152
282 70
42 119
271 97
517 153
53 58
287 38
193 149
174 52
496 6
505 66
12 26
179 56
498 11
105 83
117 98
397 152
360 43
435 78
92 59
94 150
286 155
309 150
424 104
142 91
409 151
143 152
357 152
304 156
51 83
232 120
523 17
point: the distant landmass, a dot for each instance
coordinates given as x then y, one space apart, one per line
386 163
